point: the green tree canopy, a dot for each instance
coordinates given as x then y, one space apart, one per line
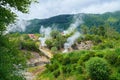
11 59
7 14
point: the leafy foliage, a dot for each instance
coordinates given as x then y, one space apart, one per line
98 69
57 40
11 59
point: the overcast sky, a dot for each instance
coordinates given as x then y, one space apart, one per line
49 8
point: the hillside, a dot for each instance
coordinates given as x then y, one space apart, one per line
92 54
62 22
70 55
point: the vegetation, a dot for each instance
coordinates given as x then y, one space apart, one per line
62 22
81 65
11 59
98 69
100 63
103 57
56 42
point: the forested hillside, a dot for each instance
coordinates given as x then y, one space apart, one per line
64 47
62 22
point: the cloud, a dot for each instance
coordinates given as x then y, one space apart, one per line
48 8
102 8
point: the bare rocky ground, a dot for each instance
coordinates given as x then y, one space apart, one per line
85 45
32 75
36 61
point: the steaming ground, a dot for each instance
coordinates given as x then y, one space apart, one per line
70 41
45 32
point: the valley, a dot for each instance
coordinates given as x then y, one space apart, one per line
59 40
72 53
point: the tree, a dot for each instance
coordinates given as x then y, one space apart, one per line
11 59
110 32
101 31
84 29
7 15
98 69
57 40
54 33
93 30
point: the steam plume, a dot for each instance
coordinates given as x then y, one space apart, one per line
71 40
77 21
18 26
45 35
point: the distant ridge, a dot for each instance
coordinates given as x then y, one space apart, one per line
63 21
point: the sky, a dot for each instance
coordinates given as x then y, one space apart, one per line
49 8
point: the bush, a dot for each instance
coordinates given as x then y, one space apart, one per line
98 69
79 69
49 43
66 61
102 46
118 61
25 37
54 49
29 45
56 73
52 67
113 58
115 76
118 69
95 38
85 57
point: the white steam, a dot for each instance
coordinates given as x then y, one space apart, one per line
71 40
18 26
45 32
77 21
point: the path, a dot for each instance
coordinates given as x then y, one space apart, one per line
46 52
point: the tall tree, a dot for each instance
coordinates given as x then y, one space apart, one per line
11 59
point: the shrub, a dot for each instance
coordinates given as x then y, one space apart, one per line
49 43
104 45
66 61
86 57
95 38
73 60
56 73
118 69
79 69
52 67
29 45
98 69
54 49
113 58
118 61
115 76
25 37
99 55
